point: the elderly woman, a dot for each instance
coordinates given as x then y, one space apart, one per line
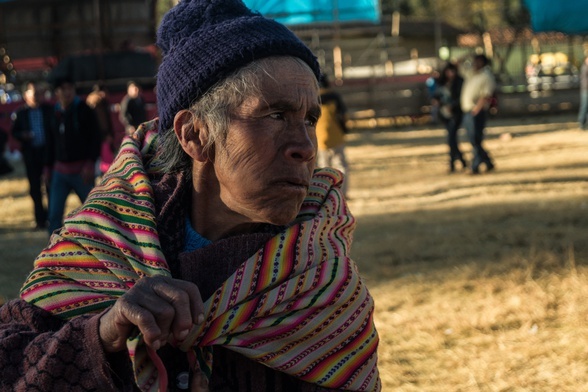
211 256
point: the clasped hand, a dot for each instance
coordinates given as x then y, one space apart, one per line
162 308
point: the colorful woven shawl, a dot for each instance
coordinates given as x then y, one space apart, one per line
298 305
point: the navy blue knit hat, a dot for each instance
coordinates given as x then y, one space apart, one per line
205 41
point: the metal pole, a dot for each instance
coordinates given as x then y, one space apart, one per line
99 45
438 32
337 56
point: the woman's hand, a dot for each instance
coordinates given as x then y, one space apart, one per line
162 308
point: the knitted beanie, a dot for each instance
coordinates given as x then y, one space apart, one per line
205 41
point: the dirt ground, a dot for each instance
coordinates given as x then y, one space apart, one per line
479 281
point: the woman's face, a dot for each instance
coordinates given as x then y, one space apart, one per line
266 163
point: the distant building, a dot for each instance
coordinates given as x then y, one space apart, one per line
38 34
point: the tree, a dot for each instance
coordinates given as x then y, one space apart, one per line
469 15
162 7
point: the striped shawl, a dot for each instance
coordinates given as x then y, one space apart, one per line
297 305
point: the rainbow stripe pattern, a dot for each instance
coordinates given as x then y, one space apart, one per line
298 305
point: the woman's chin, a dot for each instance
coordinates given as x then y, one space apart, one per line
285 215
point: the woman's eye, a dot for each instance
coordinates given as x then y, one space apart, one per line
277 116
311 121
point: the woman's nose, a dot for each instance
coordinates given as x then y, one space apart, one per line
302 144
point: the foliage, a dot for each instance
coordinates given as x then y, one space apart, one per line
162 7
469 15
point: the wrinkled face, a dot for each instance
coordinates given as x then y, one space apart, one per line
265 165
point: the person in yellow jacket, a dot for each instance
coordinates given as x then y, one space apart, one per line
331 130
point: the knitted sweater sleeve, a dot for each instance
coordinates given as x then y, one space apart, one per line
40 352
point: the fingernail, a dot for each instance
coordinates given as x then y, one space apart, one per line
156 345
182 335
200 318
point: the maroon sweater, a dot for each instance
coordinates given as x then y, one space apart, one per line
40 352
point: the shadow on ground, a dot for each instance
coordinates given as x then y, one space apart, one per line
20 247
413 136
389 246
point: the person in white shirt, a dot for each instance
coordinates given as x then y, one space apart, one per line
476 93
583 112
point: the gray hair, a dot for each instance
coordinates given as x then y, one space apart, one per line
214 110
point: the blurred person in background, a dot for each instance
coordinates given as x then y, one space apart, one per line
5 166
583 111
431 84
132 108
73 146
97 100
331 130
213 256
476 95
31 125
446 100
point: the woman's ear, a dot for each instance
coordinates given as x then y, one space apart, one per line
191 134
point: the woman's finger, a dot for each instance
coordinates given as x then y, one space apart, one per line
162 311
162 308
186 301
196 303
127 311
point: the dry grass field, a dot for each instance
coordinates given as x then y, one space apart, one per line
480 282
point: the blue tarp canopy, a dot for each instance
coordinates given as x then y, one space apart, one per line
303 11
570 17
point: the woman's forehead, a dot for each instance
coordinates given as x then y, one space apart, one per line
278 67
284 74
289 94
284 82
